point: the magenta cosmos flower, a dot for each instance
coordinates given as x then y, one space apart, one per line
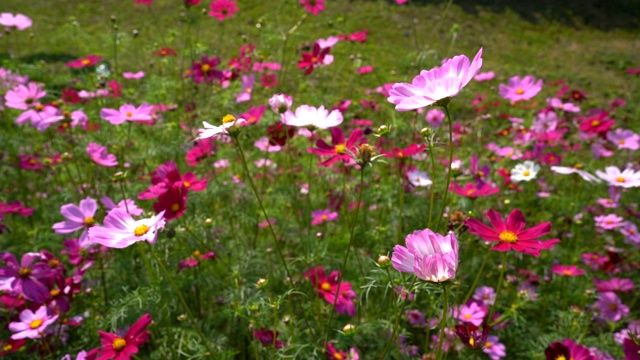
205 70
78 217
569 350
306 115
520 89
472 313
512 234
32 324
567 270
436 84
121 229
222 9
313 7
84 62
610 306
321 216
341 149
27 278
127 112
124 347
430 256
23 97
99 155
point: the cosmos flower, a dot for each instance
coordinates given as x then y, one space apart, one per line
223 9
520 89
512 234
525 171
85 61
610 306
228 122
569 170
439 83
430 256
127 112
22 97
124 347
18 21
99 155
321 216
624 139
32 325
306 115
418 178
121 229
78 217
313 7
626 179
567 270
327 287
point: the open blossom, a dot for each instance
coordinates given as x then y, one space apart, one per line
525 171
314 59
566 107
520 89
494 348
22 97
228 122
321 216
626 179
472 313
18 21
27 278
485 294
65 118
624 139
99 155
78 217
119 347
512 234
609 222
306 115
340 149
418 178
439 83
205 70
126 204
127 112
313 7
222 9
32 325
610 306
435 117
246 88
428 255
567 270
85 61
121 229
133 76
474 190
327 287
614 284
569 350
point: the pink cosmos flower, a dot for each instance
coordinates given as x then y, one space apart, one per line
494 348
328 43
512 234
222 9
23 97
134 76
436 84
84 62
268 338
435 117
66 118
472 313
321 216
566 107
205 69
247 88
314 59
280 103
599 151
568 350
78 217
614 284
327 287
364 70
430 256
254 114
624 139
18 21
201 150
121 230
127 112
626 179
610 306
474 190
264 145
609 222
313 7
485 294
567 270
99 155
125 347
195 259
126 204
306 115
27 278
485 76
32 325
520 89
630 231
37 114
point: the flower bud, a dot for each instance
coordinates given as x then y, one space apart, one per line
384 261
262 283
349 329
426 132
383 130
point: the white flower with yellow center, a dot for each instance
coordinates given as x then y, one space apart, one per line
525 171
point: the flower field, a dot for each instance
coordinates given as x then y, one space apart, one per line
341 179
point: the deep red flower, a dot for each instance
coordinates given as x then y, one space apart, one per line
313 59
123 348
268 338
512 234
279 133
10 346
327 287
569 349
205 70
172 202
341 149
166 51
195 259
472 336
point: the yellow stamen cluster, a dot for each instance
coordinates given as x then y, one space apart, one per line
141 230
228 118
119 344
325 286
89 221
35 323
340 148
508 236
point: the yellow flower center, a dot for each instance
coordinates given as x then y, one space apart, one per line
567 272
620 179
175 207
314 60
595 123
526 173
337 356
228 118
508 236
128 114
400 154
205 68
519 91
561 357
24 272
119 344
621 141
35 323
467 316
89 221
340 149
196 254
324 217
472 342
86 61
54 292
488 345
186 184
325 286
141 230
7 348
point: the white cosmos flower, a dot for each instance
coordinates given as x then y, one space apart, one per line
209 130
569 170
525 171
418 178
627 178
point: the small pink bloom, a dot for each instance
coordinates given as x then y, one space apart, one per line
127 112
85 62
134 76
435 117
564 270
99 155
609 222
223 9
624 139
18 21
520 89
485 76
471 313
246 89
321 216
78 217
614 284
32 325
23 97
365 70
313 7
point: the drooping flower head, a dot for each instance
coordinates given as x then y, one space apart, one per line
512 234
100 156
430 256
437 84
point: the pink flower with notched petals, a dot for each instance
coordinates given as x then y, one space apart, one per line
520 89
512 234
127 204
493 348
430 256
313 7
472 313
436 84
609 222
610 306
125 347
485 294
341 149
78 217
66 118
566 107
18 21
321 216
306 115
32 325
327 287
624 139
364 70
435 117
23 97
85 62
127 112
567 270
222 9
614 284
37 114
99 155
121 230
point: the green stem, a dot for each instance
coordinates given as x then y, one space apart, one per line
346 255
103 279
443 322
179 294
433 183
446 190
475 281
400 202
499 287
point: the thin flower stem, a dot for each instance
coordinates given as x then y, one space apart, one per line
103 279
264 212
443 321
179 294
499 287
432 194
446 189
398 316
400 202
475 281
346 255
